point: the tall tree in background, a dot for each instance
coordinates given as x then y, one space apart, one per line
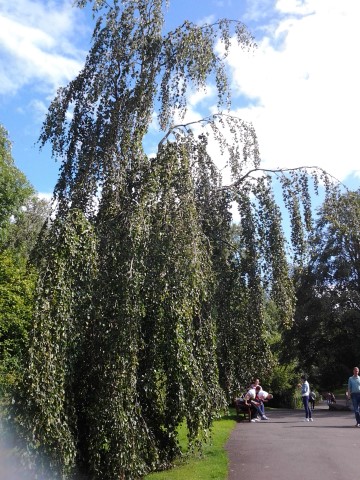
135 312
14 187
325 334
24 229
20 223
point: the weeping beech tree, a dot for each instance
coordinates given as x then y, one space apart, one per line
146 300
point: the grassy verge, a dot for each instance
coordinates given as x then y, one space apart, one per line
212 465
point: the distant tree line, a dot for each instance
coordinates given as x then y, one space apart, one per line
324 336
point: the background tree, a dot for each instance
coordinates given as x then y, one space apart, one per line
20 222
25 227
325 335
14 187
17 283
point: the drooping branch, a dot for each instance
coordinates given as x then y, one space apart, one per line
280 172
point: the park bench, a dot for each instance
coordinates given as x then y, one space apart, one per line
242 409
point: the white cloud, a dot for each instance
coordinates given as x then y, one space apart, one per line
45 196
39 109
36 44
302 86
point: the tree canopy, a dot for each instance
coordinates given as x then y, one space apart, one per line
18 233
14 187
324 336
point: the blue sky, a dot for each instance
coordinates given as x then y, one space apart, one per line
300 88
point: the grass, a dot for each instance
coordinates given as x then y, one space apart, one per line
212 465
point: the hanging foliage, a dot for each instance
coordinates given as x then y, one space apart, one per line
48 404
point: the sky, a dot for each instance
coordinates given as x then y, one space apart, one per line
299 88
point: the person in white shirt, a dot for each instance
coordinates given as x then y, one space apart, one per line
262 396
354 393
305 391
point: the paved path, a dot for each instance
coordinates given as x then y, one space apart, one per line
286 448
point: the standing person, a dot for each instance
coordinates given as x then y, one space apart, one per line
312 398
354 393
305 391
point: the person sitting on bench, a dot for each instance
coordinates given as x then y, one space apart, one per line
261 396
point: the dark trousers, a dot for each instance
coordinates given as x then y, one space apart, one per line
307 409
355 398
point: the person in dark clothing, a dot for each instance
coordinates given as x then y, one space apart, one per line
312 398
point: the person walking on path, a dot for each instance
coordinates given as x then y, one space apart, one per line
354 393
312 398
305 391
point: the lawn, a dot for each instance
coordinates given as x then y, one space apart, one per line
212 465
